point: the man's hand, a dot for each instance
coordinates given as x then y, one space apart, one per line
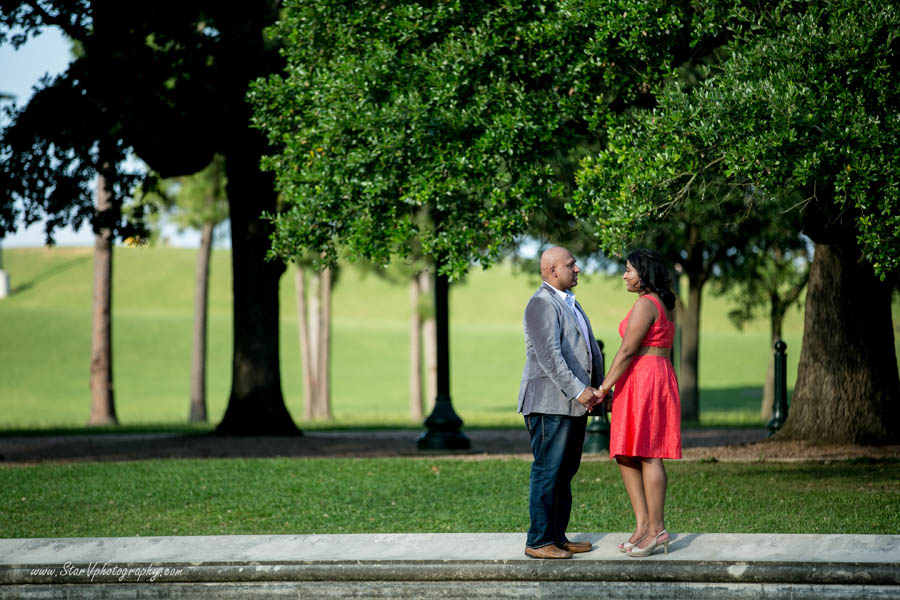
588 397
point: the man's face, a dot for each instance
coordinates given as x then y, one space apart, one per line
566 272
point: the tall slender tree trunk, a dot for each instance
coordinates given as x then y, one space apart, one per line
103 409
675 277
256 403
4 277
314 322
309 374
696 262
847 388
688 317
201 302
429 340
415 351
324 350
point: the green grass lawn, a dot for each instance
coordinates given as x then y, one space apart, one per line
44 353
45 342
294 496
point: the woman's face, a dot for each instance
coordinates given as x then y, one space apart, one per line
632 279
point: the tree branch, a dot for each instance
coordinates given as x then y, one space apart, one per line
71 30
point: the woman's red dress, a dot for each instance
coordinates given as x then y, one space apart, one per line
646 414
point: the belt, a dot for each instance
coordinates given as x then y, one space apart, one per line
653 351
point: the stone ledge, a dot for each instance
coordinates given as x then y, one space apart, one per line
463 590
448 565
524 570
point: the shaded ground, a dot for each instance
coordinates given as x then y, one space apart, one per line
698 444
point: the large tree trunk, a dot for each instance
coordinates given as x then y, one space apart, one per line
688 317
256 404
847 387
415 351
103 409
201 301
429 339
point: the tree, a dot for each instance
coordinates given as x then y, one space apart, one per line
453 126
198 202
427 332
103 406
839 150
167 81
4 277
417 274
770 279
441 126
805 106
314 328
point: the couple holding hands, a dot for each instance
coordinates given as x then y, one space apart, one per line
563 380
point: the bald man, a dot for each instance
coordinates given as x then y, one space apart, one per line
563 365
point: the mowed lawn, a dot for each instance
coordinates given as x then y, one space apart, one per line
392 495
45 341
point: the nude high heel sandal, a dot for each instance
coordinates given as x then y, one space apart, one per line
626 545
642 552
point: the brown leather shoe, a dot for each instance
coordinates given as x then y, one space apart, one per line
551 551
576 547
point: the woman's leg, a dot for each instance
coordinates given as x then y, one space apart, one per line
632 476
654 481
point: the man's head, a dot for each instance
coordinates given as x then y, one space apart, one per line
558 268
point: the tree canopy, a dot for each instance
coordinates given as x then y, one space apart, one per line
802 112
447 124
167 81
799 117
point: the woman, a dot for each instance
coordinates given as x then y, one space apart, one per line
646 414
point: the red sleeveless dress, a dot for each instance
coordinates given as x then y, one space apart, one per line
646 414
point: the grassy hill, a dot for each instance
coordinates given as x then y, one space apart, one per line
45 341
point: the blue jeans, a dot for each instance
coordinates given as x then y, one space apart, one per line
556 442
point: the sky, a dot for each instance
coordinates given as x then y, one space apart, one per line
20 71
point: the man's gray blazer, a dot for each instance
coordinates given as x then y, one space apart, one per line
558 365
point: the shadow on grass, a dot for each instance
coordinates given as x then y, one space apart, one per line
149 428
730 416
741 399
744 399
49 273
92 446
171 442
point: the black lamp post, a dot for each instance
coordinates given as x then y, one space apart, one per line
443 423
779 405
597 435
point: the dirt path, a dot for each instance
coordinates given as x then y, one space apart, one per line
698 444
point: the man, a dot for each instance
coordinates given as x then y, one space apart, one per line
563 365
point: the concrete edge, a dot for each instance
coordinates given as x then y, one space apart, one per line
524 570
493 590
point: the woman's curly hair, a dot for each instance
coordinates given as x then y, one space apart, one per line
653 274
